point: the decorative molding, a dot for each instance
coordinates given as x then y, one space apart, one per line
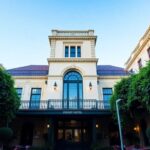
135 54
73 67
72 38
72 60
72 32
111 77
89 76
55 76
30 77
142 42
61 76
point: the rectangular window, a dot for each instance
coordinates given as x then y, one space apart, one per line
140 63
19 92
107 93
78 51
72 51
35 98
148 51
66 51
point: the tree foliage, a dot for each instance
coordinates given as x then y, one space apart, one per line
139 93
120 92
9 100
134 91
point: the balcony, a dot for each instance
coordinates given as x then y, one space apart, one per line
59 106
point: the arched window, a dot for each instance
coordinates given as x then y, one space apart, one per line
72 90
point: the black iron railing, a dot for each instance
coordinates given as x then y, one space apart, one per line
57 104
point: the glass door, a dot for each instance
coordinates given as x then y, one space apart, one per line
72 91
73 95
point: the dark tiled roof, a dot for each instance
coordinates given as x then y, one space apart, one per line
108 70
42 70
31 70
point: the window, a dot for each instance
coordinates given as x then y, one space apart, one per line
72 51
66 51
148 51
35 98
19 92
131 71
140 63
35 94
78 51
107 93
73 90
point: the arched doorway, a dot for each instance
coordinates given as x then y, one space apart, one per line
72 90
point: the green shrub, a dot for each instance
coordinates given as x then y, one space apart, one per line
5 134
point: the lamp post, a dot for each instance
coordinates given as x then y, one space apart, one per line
119 123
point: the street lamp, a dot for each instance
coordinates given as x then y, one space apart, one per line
119 123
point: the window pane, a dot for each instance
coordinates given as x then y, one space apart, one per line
35 94
36 91
65 90
140 63
148 52
19 92
35 98
78 51
107 90
107 93
72 76
66 51
72 51
80 91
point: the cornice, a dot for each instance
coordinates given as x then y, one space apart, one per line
73 37
61 76
145 38
89 76
137 52
30 77
72 60
88 37
111 77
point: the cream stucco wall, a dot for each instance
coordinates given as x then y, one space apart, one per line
140 52
87 71
28 83
48 91
143 55
86 47
107 82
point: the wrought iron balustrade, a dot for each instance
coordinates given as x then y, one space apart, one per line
60 104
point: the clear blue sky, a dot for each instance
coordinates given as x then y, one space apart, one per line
26 24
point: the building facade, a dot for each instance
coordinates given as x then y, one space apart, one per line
138 59
66 103
140 55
